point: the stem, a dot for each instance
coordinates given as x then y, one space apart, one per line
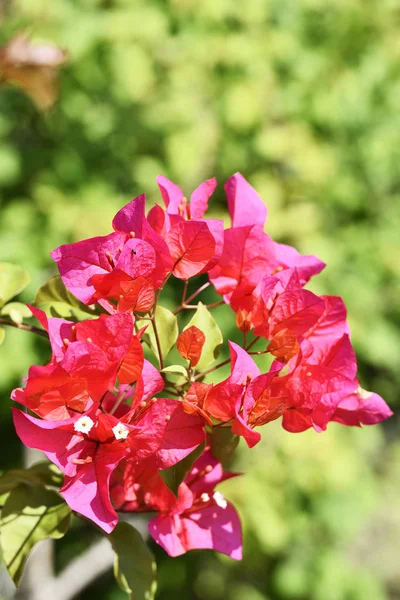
193 306
201 289
252 343
24 327
120 399
184 303
185 287
156 335
221 364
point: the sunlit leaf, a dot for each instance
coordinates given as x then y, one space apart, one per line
204 321
30 514
176 370
41 473
13 279
17 311
54 298
173 476
134 567
223 444
167 328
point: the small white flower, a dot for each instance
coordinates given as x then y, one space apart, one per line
204 497
220 500
120 431
83 425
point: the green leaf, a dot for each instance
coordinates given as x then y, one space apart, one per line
134 567
30 514
2 335
223 444
42 473
56 301
173 476
203 319
167 328
17 311
176 370
13 279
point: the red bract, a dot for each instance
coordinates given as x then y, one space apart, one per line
195 399
250 254
87 359
238 398
101 422
101 267
197 518
190 344
315 393
195 243
88 448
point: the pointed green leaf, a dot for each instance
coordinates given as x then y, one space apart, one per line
176 370
54 298
167 328
173 476
2 335
17 311
223 444
134 567
13 279
203 319
30 514
42 473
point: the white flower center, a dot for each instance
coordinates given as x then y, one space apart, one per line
220 500
83 425
120 431
204 497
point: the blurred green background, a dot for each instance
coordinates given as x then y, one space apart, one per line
302 97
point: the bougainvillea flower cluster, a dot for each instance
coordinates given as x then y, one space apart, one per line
117 419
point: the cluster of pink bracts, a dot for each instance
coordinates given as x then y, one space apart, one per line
101 420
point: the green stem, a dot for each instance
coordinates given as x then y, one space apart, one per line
156 335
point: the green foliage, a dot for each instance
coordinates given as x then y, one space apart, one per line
223 444
42 473
31 513
176 370
204 321
54 298
16 311
167 328
173 476
13 279
134 566
302 98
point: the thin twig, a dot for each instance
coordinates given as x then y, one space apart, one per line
252 343
184 304
123 396
193 306
156 335
24 327
185 287
221 364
